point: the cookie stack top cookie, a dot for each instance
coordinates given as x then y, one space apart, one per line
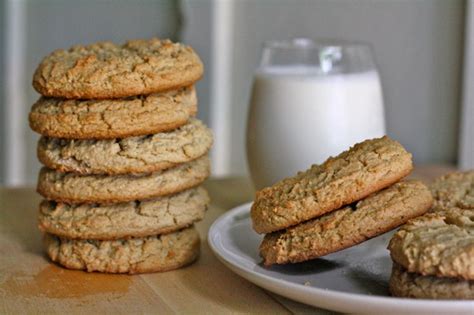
106 70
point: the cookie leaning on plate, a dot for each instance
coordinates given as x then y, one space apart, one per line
113 118
352 175
437 244
106 70
455 190
136 255
123 220
143 154
412 285
348 226
104 189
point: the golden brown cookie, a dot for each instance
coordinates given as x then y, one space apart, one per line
135 255
455 190
412 285
438 244
124 220
105 189
106 70
142 154
352 175
113 118
346 227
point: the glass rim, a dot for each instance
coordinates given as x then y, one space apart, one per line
318 43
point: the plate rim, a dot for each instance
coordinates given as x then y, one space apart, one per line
420 304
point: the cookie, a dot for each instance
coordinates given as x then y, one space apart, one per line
455 190
123 220
348 226
106 70
437 244
144 154
412 285
352 175
113 118
104 189
136 255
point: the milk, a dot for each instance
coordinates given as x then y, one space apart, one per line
299 116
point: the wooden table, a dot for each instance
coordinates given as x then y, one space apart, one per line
29 283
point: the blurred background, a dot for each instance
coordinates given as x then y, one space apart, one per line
422 47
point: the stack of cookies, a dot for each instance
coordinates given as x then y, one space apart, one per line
346 200
433 255
123 156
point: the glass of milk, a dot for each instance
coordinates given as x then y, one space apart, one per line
310 100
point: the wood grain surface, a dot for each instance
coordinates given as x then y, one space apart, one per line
30 283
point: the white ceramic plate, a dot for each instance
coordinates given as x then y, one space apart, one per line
354 280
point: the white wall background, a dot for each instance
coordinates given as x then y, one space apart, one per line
466 139
418 45
2 89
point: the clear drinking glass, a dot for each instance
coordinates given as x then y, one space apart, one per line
310 100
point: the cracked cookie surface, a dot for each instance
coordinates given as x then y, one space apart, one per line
142 154
104 189
367 167
123 220
439 244
453 191
348 226
412 285
107 70
113 118
135 255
